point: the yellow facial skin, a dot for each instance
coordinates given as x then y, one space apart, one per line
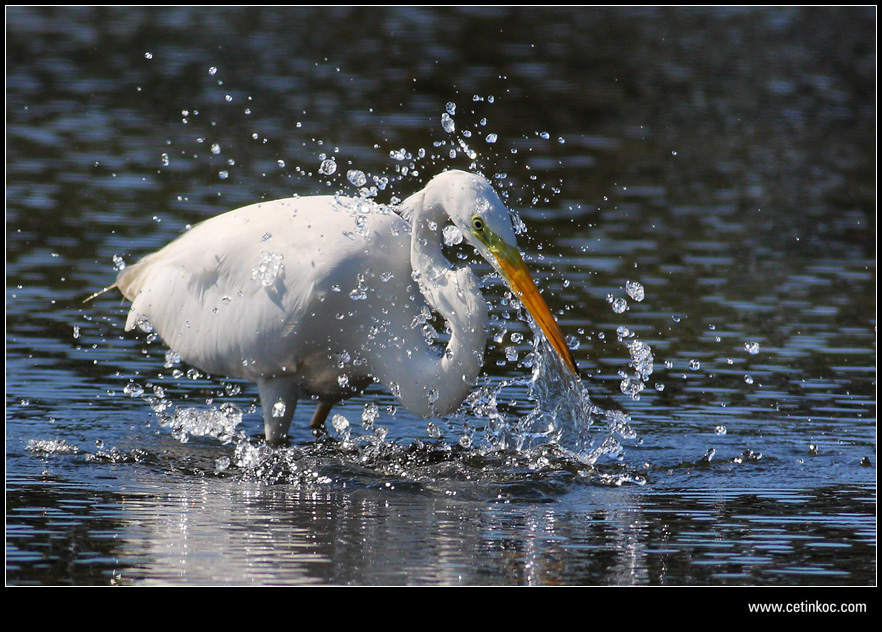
515 273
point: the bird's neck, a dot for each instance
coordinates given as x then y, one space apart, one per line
439 384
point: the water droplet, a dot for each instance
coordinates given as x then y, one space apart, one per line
343 358
632 386
433 431
694 365
619 305
452 235
369 415
748 379
359 293
279 409
635 290
133 390
641 358
144 324
232 389
340 423
268 268
447 123
118 263
720 430
356 177
215 148
212 70
328 167
222 463
171 359
148 55
752 347
451 108
491 138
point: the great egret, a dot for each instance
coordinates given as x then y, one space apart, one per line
321 296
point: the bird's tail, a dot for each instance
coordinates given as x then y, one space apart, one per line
100 292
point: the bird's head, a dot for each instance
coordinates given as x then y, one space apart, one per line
485 222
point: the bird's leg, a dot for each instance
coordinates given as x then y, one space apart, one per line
319 416
278 398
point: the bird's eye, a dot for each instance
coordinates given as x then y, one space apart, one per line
477 223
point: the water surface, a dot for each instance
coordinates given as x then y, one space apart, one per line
723 159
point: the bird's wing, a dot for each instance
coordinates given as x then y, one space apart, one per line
222 293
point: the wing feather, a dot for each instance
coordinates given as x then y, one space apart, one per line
209 298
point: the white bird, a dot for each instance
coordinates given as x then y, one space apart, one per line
318 297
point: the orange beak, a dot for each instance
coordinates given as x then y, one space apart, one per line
518 278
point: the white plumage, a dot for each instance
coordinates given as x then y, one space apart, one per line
320 296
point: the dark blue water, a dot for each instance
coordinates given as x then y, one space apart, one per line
724 159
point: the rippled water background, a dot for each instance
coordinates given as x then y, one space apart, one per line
725 159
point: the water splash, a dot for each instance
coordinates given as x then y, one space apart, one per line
219 423
268 269
562 416
641 361
53 446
